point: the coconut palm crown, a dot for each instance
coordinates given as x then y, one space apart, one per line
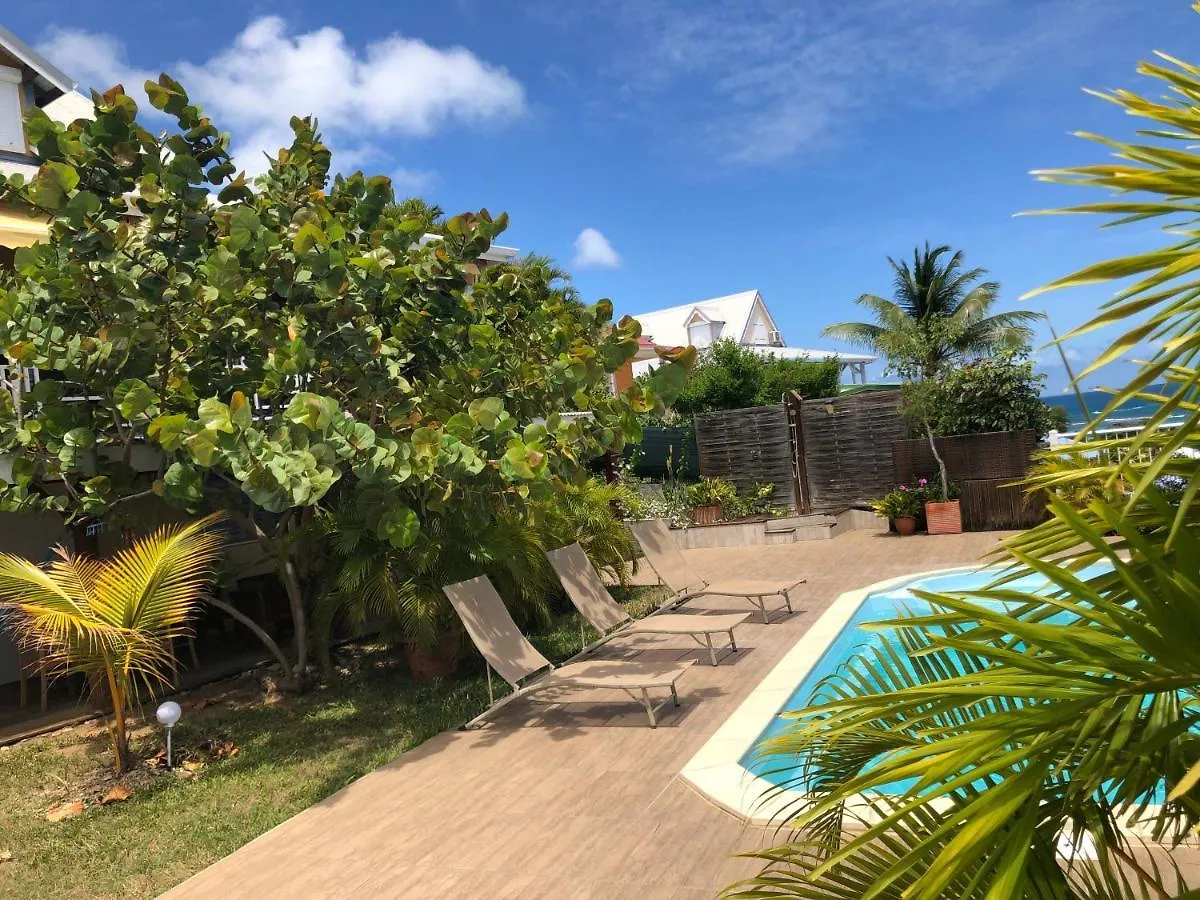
940 306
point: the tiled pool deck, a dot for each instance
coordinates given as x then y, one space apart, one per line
570 801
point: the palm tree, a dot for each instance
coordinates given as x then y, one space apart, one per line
1024 719
940 305
113 620
431 216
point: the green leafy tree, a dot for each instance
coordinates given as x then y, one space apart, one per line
810 379
294 339
1021 716
730 376
997 394
940 309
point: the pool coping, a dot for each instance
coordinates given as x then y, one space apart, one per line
716 770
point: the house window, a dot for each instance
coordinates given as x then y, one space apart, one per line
12 130
701 334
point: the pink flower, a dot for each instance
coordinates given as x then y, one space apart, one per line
922 482
904 487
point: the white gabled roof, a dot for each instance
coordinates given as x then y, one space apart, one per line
70 106
47 76
668 327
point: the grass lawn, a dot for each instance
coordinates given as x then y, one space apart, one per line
292 752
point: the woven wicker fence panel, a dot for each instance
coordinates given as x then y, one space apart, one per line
989 504
995 454
847 447
748 447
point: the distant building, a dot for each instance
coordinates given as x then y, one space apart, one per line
744 318
28 80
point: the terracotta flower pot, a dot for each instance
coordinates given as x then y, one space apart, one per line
706 515
905 525
944 518
436 661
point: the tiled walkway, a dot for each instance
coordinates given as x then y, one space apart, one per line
572 801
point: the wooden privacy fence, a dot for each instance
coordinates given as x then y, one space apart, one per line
844 448
985 466
748 447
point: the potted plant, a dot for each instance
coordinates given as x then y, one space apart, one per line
900 507
943 514
708 498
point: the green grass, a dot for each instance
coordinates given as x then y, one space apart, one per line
293 753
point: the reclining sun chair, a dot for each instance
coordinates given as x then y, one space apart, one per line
665 558
516 660
608 617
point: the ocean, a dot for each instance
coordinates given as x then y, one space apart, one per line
1096 401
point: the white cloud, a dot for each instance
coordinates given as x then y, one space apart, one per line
593 251
396 87
759 81
97 60
412 182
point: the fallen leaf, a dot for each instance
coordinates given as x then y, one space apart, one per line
116 794
191 765
61 811
6 856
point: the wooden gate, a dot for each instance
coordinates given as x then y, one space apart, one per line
842 448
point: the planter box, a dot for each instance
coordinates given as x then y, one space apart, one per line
707 515
944 518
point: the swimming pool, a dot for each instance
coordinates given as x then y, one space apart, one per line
876 606
729 770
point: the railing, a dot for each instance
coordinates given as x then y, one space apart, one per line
1114 430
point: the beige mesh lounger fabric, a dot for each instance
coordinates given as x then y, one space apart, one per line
664 556
592 599
507 651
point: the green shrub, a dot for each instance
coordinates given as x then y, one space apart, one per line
897 504
730 376
1001 393
759 502
711 492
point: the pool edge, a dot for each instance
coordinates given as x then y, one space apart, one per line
715 770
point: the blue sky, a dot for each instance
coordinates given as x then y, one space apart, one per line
674 150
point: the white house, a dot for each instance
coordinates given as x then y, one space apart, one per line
27 79
743 317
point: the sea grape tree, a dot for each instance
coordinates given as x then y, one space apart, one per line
283 340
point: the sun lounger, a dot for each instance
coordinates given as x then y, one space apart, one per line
517 661
664 556
608 617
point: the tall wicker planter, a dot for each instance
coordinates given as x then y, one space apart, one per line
706 515
436 661
943 518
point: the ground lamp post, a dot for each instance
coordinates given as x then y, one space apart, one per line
168 714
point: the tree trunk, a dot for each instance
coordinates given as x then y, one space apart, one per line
118 731
291 583
941 463
230 610
288 577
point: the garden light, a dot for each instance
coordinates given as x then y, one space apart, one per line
168 714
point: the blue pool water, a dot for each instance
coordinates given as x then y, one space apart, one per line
853 637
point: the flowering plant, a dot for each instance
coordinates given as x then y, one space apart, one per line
930 491
898 504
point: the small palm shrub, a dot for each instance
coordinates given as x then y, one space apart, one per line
372 584
113 620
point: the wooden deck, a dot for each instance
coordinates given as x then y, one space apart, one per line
575 800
